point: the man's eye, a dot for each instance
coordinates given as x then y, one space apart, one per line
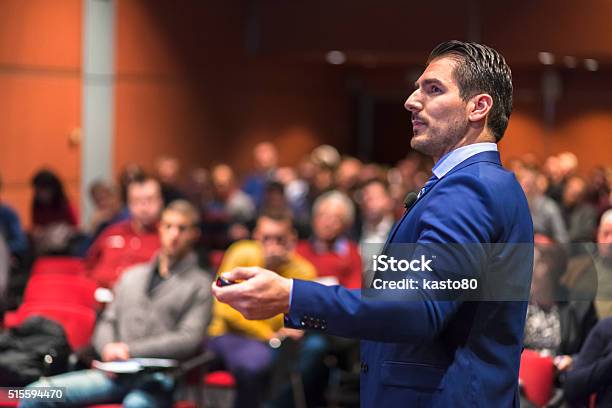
435 89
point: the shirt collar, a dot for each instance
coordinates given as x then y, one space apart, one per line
451 159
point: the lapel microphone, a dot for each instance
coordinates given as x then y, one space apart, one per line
410 199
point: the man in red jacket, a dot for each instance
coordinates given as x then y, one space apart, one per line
131 241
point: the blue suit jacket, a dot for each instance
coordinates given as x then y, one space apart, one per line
432 352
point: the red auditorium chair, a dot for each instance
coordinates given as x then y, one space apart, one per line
78 321
64 289
58 265
536 373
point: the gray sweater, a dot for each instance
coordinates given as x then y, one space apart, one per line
170 323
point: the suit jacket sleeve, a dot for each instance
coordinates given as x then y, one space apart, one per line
468 219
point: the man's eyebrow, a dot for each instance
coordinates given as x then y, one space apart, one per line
428 81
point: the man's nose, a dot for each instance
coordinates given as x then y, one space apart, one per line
413 103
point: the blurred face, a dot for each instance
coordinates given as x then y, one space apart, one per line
176 233
328 222
223 181
347 174
105 198
145 202
168 170
573 191
376 202
265 156
277 239
439 114
529 182
604 238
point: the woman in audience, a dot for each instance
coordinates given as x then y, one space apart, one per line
53 217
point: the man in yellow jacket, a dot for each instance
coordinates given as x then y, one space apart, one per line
243 344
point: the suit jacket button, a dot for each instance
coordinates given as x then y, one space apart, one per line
364 367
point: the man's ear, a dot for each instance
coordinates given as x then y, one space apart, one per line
480 105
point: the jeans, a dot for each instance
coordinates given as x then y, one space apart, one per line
89 387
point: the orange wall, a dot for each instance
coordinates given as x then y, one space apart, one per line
40 84
187 87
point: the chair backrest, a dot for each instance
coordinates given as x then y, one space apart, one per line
58 265
77 321
537 376
61 289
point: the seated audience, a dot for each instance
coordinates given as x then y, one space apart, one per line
168 171
555 325
107 207
54 221
161 310
335 257
229 212
242 344
592 273
579 216
131 241
545 212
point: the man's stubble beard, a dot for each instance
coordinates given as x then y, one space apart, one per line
433 145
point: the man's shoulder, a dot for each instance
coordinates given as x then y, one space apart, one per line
299 267
245 247
136 271
123 227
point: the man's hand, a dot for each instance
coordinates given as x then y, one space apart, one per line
115 351
563 363
261 294
293 334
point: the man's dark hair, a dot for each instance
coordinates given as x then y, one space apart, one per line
481 69
278 216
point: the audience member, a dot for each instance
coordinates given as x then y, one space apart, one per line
199 188
131 241
228 214
591 273
579 216
545 212
600 183
555 325
54 220
335 257
160 310
347 176
131 171
377 213
107 207
168 171
265 157
296 192
243 344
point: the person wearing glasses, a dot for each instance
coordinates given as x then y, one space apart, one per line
244 346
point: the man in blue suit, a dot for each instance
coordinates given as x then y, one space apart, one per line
458 347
